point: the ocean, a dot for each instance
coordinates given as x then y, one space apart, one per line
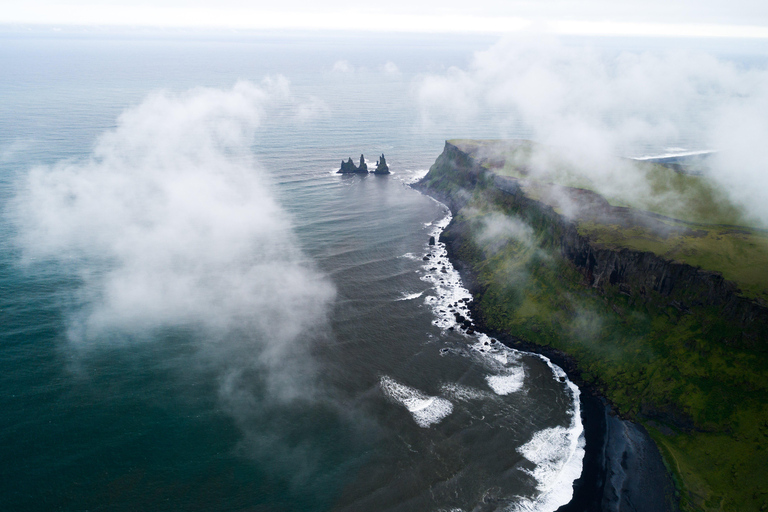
198 313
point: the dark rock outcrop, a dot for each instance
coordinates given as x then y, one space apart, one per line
381 166
350 167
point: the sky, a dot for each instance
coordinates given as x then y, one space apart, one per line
687 18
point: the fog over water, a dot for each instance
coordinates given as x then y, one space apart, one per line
198 312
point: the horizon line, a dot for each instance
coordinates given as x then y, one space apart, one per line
412 24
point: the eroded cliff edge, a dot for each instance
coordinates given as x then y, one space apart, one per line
675 347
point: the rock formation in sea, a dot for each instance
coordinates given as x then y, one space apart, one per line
381 166
350 167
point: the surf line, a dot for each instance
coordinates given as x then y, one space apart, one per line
558 453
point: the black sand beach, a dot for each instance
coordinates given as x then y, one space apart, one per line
622 469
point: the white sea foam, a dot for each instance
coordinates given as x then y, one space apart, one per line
410 296
507 375
426 410
674 152
464 393
451 297
507 383
411 256
452 302
413 176
558 452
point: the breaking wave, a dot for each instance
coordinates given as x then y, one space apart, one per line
464 393
410 296
426 410
557 453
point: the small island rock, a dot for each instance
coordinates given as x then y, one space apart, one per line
381 166
350 167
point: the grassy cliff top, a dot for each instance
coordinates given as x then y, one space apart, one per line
643 206
695 375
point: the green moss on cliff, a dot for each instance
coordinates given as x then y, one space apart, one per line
740 254
641 185
652 362
701 227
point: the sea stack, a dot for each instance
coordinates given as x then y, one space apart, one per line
381 166
350 167
363 167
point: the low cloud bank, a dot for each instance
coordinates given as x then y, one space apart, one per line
598 105
170 223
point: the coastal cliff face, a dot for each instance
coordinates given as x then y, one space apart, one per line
677 348
637 274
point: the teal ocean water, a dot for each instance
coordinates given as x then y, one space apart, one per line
149 366
197 313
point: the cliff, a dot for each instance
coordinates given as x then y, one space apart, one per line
675 345
381 166
636 273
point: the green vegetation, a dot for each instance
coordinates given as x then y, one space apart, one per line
705 229
702 395
644 186
740 254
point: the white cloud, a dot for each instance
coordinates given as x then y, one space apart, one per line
343 66
498 230
600 105
741 131
391 68
171 223
311 109
744 18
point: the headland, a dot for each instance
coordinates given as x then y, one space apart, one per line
658 310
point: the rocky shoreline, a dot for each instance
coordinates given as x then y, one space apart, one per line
622 469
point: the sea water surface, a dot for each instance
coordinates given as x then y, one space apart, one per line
381 404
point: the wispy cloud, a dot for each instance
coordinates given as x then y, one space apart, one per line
391 68
599 105
343 66
172 224
592 17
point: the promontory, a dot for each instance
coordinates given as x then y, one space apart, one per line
649 282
